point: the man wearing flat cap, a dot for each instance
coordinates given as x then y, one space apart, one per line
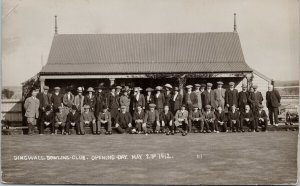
149 97
56 99
159 99
87 118
45 99
176 101
243 98
138 98
255 98
199 96
73 120
90 99
196 119
31 107
220 95
190 98
181 119
68 100
209 96
209 119
123 121
151 120
79 99
231 96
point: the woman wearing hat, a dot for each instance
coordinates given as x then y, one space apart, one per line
79 99
113 104
68 100
149 98
90 99
56 99
138 98
100 100
159 99
168 94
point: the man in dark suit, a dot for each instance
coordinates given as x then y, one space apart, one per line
56 99
209 95
261 118
190 98
100 101
159 98
243 98
273 102
113 104
255 98
231 96
138 98
149 98
45 99
176 100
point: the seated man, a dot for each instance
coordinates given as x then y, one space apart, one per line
86 119
73 120
151 120
261 118
138 119
234 119
123 121
104 118
196 119
209 119
47 120
181 119
220 121
166 118
60 120
247 118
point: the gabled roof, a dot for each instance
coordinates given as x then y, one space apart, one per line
145 53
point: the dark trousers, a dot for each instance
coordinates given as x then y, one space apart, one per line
107 126
138 126
273 111
69 126
123 130
43 127
198 124
235 126
263 124
210 125
220 127
82 126
114 112
151 126
251 124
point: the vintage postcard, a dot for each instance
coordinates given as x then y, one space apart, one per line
165 92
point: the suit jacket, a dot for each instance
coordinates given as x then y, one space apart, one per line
220 95
47 118
210 98
199 99
234 116
159 100
140 101
151 117
79 102
45 99
56 100
273 99
91 101
61 117
68 102
113 101
148 100
100 102
176 102
247 115
262 114
220 116
104 116
182 115
138 116
194 115
231 97
123 119
193 98
124 101
166 118
73 118
167 98
210 115
31 106
242 100
87 117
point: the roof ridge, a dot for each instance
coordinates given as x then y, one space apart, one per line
144 33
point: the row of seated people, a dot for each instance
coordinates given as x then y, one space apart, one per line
151 121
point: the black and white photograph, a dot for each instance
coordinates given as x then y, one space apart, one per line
156 92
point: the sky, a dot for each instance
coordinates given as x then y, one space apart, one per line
268 29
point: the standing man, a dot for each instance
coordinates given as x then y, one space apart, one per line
45 99
149 98
100 101
220 95
176 100
113 104
31 106
255 98
68 100
138 98
125 100
199 96
210 97
231 96
243 98
56 99
190 98
273 102
159 99
168 95
79 99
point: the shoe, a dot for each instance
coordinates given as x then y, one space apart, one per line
276 124
41 134
256 130
249 130
243 130
217 132
167 133
183 134
209 131
98 133
227 131
214 131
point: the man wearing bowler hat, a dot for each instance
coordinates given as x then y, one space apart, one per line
190 98
231 96
73 120
56 99
209 95
243 98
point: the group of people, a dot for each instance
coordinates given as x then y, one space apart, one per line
164 109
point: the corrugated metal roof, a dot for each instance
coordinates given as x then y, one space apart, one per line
146 53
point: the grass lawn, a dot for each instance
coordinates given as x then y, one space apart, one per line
236 158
